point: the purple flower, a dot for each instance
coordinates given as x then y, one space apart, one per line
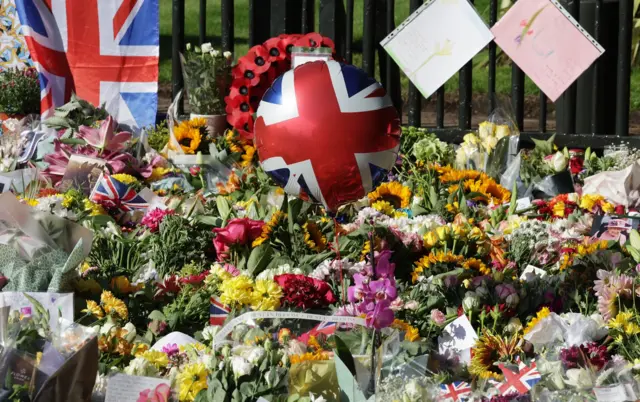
170 349
384 267
381 316
358 292
383 289
504 290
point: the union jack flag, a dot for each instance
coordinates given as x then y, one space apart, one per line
326 328
457 391
114 194
520 382
337 135
218 312
106 51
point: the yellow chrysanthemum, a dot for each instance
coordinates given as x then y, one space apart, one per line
544 312
92 208
94 309
125 178
192 379
620 320
313 237
157 358
477 265
188 137
237 291
266 295
268 227
113 305
29 201
394 193
67 201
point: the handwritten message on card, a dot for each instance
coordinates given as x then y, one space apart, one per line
128 388
434 42
547 44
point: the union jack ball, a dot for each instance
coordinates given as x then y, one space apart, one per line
327 133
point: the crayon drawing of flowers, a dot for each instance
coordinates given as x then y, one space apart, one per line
444 49
526 25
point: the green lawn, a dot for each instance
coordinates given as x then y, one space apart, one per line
480 74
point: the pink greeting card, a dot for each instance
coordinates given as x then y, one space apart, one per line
542 38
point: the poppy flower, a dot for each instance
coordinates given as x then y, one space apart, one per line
328 42
276 49
312 39
238 103
288 41
245 127
245 69
259 56
239 87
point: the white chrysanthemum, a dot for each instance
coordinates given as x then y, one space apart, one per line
269 274
141 367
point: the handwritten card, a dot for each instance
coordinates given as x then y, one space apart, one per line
58 304
123 387
434 42
457 339
547 44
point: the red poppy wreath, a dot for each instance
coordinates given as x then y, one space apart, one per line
256 71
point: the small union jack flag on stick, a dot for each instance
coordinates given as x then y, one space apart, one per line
218 312
114 194
326 328
457 391
520 382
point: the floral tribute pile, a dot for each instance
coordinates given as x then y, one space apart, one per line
441 284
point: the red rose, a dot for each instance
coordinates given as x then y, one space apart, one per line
619 210
238 231
575 165
304 292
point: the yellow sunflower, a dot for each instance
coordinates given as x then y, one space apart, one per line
431 259
489 349
268 227
112 304
247 157
188 137
477 265
544 312
313 237
394 193
197 122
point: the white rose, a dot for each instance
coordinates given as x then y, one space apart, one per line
559 162
227 55
188 46
486 129
214 53
206 47
502 130
514 325
489 143
210 332
252 354
240 366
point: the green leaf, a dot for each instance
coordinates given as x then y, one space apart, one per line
101 220
223 207
345 356
635 253
259 258
634 239
208 220
295 206
514 199
349 390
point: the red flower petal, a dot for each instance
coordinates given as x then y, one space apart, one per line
328 42
239 87
312 39
288 41
276 48
259 56
247 70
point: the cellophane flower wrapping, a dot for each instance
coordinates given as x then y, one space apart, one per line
38 251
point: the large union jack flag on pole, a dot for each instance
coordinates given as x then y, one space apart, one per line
106 51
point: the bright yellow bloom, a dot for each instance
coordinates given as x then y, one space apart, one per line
67 201
266 295
125 178
158 173
157 358
247 157
631 329
112 304
313 237
93 208
139 349
430 239
621 320
394 193
192 379
412 334
558 209
431 259
384 207
477 265
268 227
544 312
490 349
198 122
29 201
94 308
122 285
316 356
237 291
313 343
188 137
453 208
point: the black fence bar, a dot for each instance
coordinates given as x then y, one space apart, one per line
332 23
465 92
517 94
259 17
393 71
278 17
177 42
348 50
493 18
597 35
623 91
414 100
308 16
203 21
440 107
368 37
542 118
226 11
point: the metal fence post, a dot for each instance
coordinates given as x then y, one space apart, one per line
177 46
369 37
415 97
623 91
332 23
259 18
226 11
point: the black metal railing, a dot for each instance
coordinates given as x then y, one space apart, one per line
589 113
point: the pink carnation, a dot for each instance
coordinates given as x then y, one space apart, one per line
153 218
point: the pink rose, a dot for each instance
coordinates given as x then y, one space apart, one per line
238 231
159 394
438 316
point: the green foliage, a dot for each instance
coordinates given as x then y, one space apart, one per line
207 76
19 92
77 112
158 136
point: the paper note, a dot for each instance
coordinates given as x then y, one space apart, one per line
434 42
547 44
457 339
128 388
615 393
531 272
58 304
